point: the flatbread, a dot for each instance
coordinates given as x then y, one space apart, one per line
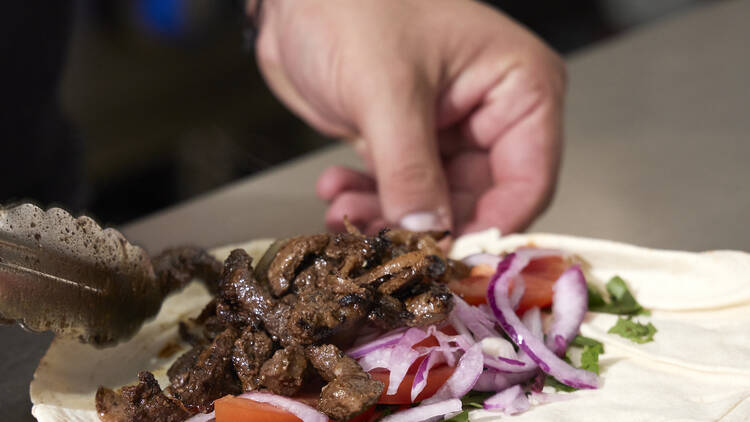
697 368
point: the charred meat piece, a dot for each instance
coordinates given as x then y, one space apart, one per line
242 300
455 270
176 267
346 397
290 257
276 324
210 377
388 313
285 372
402 271
331 363
350 390
322 274
315 314
191 332
312 275
143 402
204 328
429 307
181 368
250 351
426 242
353 253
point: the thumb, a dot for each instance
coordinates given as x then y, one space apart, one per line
401 139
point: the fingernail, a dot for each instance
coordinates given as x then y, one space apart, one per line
424 221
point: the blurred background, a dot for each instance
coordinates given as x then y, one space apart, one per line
119 108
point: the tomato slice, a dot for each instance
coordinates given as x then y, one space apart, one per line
370 415
235 409
437 377
540 276
550 267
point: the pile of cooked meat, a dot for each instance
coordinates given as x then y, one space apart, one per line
282 326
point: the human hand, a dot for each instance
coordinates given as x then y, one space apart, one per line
455 108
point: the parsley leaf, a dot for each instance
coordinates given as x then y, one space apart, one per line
589 361
590 357
581 341
472 400
621 302
595 298
461 417
475 399
550 381
633 330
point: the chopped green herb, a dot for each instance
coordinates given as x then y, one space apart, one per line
550 381
633 330
591 351
581 341
472 400
589 361
590 357
461 417
595 298
621 302
475 399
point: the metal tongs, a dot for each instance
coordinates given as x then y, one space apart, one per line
70 276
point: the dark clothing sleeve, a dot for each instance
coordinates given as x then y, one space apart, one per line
40 160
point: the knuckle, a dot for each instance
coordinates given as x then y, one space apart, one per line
542 72
413 176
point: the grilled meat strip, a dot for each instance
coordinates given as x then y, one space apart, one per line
176 267
143 402
272 328
250 352
285 371
350 390
210 376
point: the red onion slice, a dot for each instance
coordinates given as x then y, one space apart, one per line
546 359
519 288
425 411
532 319
420 378
380 358
511 400
202 417
402 357
501 348
482 259
569 306
464 342
505 365
298 409
496 381
385 340
464 377
480 324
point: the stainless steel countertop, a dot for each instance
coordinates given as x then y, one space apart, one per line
658 139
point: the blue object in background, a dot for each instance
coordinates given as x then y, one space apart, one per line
164 17
181 20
